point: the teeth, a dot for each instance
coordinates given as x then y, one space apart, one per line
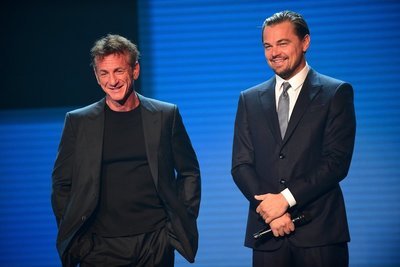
278 61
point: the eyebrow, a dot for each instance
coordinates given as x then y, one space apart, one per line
279 41
283 40
116 69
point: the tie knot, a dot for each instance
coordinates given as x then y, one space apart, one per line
285 87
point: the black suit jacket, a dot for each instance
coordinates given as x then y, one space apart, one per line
313 157
173 165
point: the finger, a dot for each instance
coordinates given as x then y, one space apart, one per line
281 232
259 197
286 230
258 209
275 232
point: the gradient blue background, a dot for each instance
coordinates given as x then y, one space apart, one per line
200 55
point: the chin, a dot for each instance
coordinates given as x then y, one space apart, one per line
115 98
284 74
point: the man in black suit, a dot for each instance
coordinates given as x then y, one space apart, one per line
293 144
126 180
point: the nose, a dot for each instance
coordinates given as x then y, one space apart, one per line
275 51
113 81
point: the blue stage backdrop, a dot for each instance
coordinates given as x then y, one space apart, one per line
200 55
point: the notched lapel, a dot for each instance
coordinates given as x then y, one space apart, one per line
308 92
268 103
94 136
151 119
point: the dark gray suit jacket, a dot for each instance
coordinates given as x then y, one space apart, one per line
313 157
173 165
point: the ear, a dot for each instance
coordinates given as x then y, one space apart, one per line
136 71
306 42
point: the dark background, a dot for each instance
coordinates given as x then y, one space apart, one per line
198 54
45 49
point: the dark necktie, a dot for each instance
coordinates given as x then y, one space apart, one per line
283 108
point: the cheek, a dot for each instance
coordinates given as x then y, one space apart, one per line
129 80
101 80
102 83
267 54
297 53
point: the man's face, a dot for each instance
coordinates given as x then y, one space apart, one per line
284 50
116 76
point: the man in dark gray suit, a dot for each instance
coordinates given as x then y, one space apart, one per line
126 180
293 144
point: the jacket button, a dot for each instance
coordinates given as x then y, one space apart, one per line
83 218
282 182
281 156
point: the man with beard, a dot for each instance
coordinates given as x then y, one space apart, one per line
293 144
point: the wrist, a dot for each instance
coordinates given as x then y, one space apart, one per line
288 198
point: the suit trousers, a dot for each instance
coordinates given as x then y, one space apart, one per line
287 255
144 250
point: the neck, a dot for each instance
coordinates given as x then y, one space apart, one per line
127 104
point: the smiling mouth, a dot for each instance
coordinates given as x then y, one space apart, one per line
278 60
278 63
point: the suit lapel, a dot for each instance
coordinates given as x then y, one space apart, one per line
94 135
310 89
267 99
151 119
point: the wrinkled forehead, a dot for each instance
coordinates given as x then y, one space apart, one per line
121 57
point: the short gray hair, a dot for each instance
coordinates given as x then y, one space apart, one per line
114 44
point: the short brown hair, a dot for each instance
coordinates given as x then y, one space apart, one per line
300 25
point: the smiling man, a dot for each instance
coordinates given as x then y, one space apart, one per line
293 144
126 180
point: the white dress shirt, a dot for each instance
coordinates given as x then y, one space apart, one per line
296 83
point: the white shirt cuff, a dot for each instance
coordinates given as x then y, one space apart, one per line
289 197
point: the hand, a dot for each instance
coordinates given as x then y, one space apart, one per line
282 225
271 207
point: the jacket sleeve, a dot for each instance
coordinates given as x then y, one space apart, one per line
243 162
337 150
62 171
186 166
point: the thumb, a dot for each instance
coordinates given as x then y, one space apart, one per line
259 197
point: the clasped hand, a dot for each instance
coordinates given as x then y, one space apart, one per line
273 209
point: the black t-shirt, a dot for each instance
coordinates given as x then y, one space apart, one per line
129 203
